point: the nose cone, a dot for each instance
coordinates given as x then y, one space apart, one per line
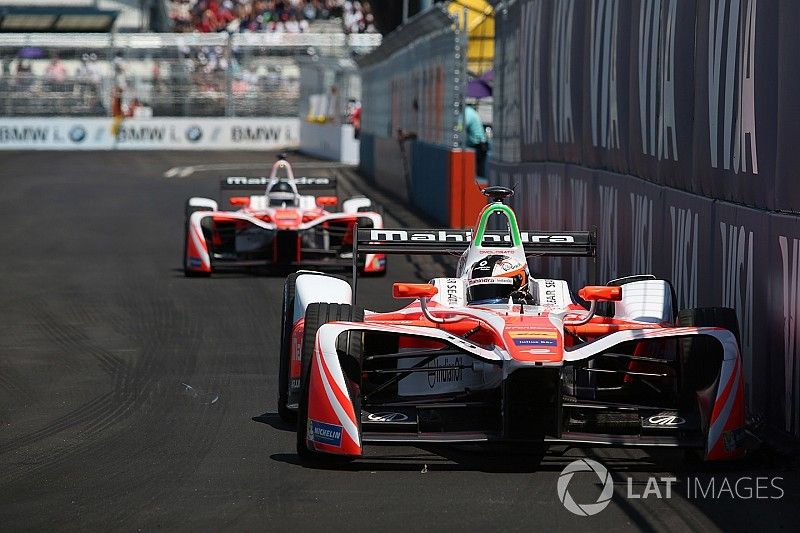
288 218
533 338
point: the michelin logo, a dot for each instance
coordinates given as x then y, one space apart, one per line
323 433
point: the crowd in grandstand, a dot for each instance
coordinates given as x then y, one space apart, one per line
282 16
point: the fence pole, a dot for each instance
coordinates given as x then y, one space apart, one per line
230 105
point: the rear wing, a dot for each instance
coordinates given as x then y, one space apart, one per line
243 183
456 241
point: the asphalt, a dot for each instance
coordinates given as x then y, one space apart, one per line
132 398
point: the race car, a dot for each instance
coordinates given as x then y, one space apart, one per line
278 227
493 354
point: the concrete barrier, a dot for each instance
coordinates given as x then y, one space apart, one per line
336 142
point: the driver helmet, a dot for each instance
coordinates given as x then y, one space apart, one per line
496 278
281 193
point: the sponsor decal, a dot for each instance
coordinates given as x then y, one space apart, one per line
666 420
24 134
445 236
641 233
554 212
603 74
608 247
323 433
578 214
734 439
195 262
194 133
257 134
451 287
560 72
729 74
146 134
790 262
77 134
532 32
656 75
490 280
445 375
263 180
685 229
702 487
737 289
550 292
133 133
387 417
585 509
534 338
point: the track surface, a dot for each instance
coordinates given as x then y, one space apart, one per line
132 398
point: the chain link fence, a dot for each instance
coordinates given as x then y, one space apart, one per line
418 87
203 75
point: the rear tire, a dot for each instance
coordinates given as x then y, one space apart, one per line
318 314
287 324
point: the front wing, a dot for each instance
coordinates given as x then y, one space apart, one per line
526 405
219 240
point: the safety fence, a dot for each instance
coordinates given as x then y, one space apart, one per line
255 74
670 126
411 134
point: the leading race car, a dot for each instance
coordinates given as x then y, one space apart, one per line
493 354
278 227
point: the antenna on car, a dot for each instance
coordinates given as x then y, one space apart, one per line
497 194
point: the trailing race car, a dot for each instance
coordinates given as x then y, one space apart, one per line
278 227
493 354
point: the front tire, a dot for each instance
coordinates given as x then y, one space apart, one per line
284 365
317 314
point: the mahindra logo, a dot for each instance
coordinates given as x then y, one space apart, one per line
666 420
461 236
242 180
387 417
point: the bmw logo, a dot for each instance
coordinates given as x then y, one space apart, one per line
77 134
194 133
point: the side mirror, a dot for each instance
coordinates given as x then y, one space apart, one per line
243 201
600 293
414 290
323 201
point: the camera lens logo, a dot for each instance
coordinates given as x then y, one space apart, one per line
585 509
77 134
194 133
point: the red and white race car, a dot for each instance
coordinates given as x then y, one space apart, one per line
493 354
279 227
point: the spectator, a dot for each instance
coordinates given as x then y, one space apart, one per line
55 73
475 138
357 17
291 16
